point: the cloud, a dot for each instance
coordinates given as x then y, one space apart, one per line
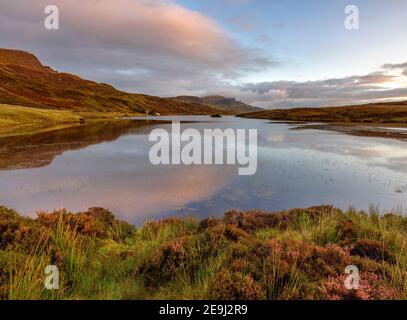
373 87
159 47
243 22
136 45
400 66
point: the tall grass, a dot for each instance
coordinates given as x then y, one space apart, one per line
290 261
26 276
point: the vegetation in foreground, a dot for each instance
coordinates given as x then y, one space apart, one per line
296 254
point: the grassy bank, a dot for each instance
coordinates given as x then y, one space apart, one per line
23 119
296 254
18 120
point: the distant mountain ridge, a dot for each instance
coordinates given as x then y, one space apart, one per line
25 81
223 104
383 112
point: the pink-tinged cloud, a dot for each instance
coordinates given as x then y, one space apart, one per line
378 86
162 48
154 27
136 45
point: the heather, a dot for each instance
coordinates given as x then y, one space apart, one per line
293 254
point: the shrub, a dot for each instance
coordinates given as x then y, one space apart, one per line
348 231
96 222
18 232
169 261
372 249
295 254
371 287
235 286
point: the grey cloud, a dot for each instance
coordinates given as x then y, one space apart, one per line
330 92
133 45
158 47
400 66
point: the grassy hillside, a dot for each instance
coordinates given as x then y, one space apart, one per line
18 120
392 112
296 254
13 115
26 82
223 104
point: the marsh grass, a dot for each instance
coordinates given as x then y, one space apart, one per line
252 256
25 276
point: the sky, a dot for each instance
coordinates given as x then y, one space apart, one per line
269 53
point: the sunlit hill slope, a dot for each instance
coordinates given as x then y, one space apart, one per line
25 81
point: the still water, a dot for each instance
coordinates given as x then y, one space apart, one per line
107 165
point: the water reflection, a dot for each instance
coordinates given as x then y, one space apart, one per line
107 165
39 149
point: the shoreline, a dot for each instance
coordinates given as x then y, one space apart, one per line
19 121
374 120
361 130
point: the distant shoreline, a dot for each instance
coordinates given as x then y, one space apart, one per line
357 129
383 113
372 120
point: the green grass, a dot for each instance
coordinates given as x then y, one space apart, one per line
295 254
19 120
15 115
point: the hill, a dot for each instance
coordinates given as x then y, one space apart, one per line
24 81
388 112
223 104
